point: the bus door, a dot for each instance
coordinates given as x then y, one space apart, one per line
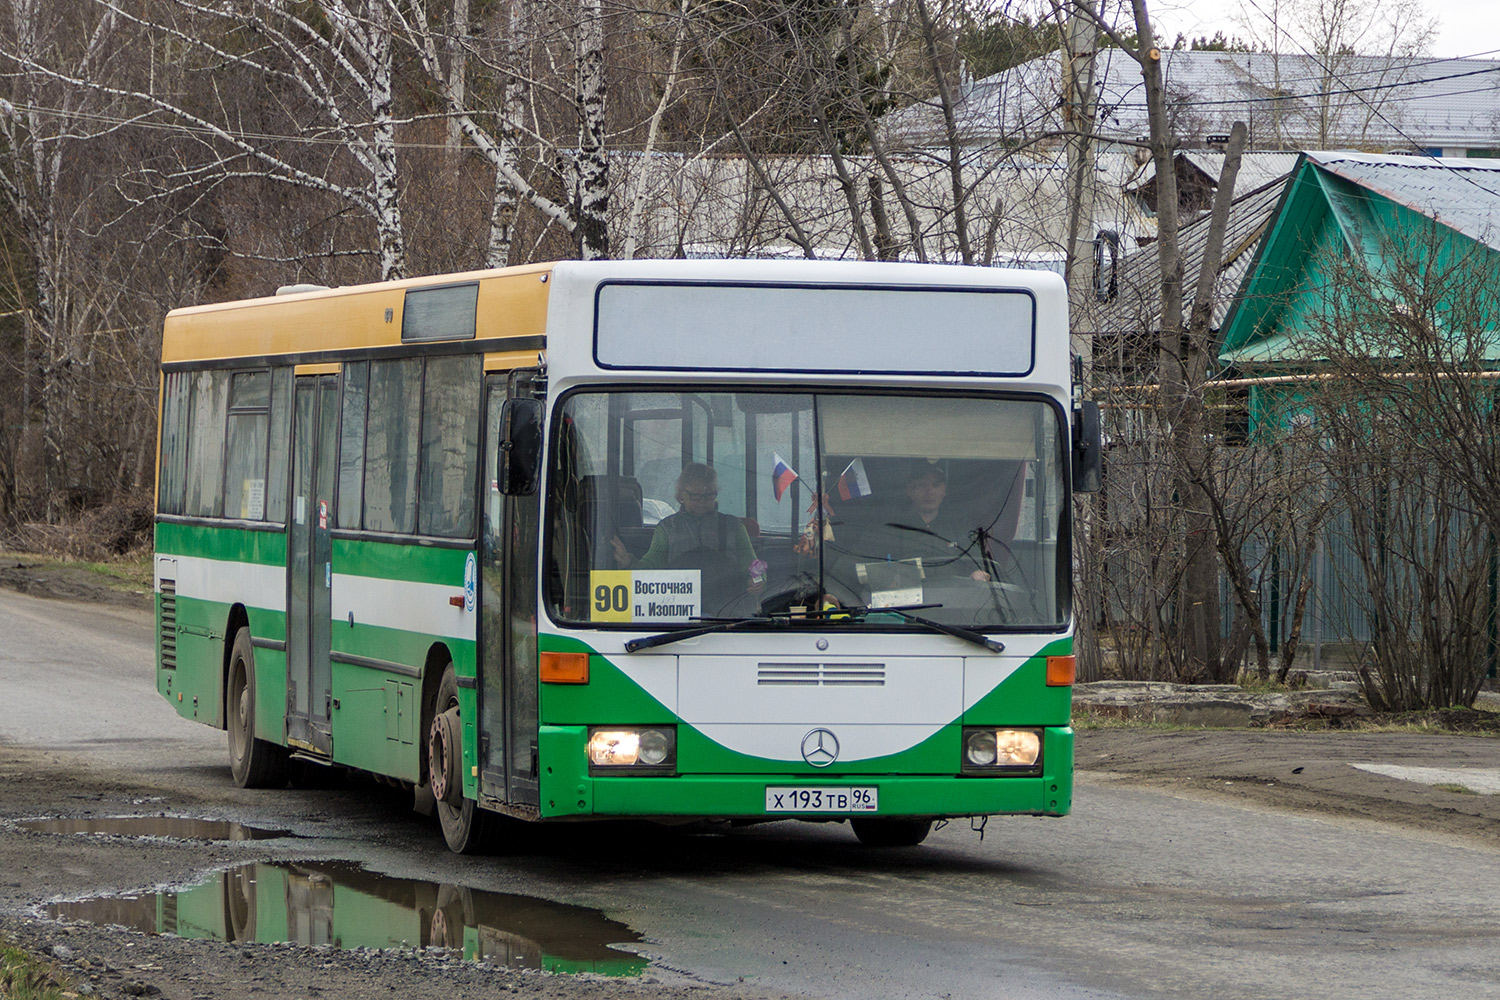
508 710
309 688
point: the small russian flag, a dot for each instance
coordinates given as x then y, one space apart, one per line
782 476
853 482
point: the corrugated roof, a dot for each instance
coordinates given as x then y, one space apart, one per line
1373 100
1137 303
1463 194
1257 167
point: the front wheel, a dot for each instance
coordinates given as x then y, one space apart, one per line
891 832
253 763
467 828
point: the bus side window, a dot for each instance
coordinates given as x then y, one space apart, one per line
205 460
450 446
391 446
352 443
278 475
174 433
245 456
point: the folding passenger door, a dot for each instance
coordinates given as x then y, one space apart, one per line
309 688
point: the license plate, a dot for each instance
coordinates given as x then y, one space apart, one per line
822 799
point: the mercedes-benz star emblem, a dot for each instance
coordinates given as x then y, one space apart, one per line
820 748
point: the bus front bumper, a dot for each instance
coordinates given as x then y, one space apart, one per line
574 793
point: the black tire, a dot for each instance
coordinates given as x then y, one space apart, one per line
253 763
467 828
891 832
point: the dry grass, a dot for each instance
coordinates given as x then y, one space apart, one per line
24 976
98 535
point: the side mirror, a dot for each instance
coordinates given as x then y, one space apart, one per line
520 460
1088 448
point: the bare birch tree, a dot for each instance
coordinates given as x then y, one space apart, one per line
327 68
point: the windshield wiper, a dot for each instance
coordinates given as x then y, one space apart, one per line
710 626
903 611
957 631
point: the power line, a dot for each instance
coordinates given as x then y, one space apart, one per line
1347 91
1462 175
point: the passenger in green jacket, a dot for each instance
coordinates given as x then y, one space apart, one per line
700 537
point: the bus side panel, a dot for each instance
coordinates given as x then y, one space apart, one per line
270 689
204 571
376 715
194 687
375 720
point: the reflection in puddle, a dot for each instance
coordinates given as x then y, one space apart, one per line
176 827
340 904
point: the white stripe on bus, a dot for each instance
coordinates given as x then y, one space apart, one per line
411 607
224 581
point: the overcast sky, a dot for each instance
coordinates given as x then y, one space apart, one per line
1466 28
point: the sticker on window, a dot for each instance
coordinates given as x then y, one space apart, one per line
645 595
253 500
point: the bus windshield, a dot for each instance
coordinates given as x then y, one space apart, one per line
684 506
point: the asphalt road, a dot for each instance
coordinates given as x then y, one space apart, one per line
1142 892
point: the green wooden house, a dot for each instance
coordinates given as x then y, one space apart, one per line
1386 214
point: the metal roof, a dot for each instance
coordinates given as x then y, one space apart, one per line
1462 194
1136 306
1257 167
1371 100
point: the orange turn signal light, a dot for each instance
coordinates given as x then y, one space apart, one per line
1061 671
565 668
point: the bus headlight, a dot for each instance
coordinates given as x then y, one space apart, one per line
1006 751
650 750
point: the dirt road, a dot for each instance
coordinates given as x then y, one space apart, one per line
1386 784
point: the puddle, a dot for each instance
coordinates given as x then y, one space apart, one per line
343 905
175 827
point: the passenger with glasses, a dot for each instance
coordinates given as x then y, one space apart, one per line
699 536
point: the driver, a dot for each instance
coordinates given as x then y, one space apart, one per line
943 543
698 536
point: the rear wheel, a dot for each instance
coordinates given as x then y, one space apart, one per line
891 832
467 828
253 763
239 893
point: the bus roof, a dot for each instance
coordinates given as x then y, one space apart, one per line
511 315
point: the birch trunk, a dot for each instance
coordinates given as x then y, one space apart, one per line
591 166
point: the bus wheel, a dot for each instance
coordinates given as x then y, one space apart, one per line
466 827
239 901
253 763
891 832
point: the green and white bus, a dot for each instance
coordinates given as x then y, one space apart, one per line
667 540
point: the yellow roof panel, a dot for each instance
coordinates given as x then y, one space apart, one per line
512 303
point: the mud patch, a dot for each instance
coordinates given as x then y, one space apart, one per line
342 905
69 582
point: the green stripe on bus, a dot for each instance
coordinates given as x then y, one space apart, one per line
393 561
394 645
231 544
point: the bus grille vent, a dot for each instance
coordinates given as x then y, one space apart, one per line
821 675
169 624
